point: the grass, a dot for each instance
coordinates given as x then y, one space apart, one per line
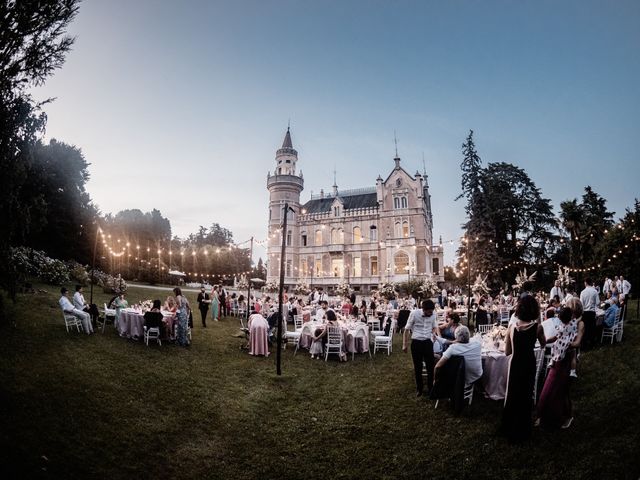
78 406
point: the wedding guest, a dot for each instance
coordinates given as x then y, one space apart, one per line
170 304
576 307
520 342
69 309
554 407
422 326
182 313
556 291
258 335
570 293
120 304
448 329
223 301
322 311
153 318
626 288
607 286
215 304
321 336
482 317
590 300
204 299
470 351
80 303
611 313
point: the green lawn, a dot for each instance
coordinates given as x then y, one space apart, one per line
78 406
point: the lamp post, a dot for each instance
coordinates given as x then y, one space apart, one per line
286 209
93 265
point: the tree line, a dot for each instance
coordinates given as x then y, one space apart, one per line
510 225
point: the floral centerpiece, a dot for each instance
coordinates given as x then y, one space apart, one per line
242 284
343 289
302 288
387 290
270 287
429 288
522 278
146 305
564 278
480 285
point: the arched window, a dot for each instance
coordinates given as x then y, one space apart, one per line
336 211
397 233
340 236
303 239
373 233
357 235
334 236
401 263
404 202
405 229
396 203
289 238
318 237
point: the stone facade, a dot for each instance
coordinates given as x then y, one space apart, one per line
364 236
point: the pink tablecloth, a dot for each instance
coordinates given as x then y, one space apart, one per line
258 336
131 324
495 367
351 346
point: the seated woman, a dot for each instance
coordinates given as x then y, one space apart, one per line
320 337
170 304
447 330
153 319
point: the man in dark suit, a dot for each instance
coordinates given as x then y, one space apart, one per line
203 305
223 302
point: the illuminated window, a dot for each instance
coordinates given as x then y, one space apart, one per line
374 266
405 229
357 235
318 237
373 233
400 263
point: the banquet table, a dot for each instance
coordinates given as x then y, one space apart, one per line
131 323
348 332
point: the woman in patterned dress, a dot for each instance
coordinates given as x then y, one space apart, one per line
215 304
182 314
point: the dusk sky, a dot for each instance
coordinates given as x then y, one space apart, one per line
181 106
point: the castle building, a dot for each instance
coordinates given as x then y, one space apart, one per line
365 236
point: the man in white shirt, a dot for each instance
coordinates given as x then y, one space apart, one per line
321 311
626 287
606 287
618 284
556 291
69 309
470 351
590 300
422 324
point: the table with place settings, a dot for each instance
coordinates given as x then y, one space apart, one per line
360 345
131 322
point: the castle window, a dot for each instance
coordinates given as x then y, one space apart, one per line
279 170
374 266
318 237
340 236
357 235
289 238
288 268
357 266
304 239
287 161
334 236
373 233
436 266
397 232
336 211
405 229
404 202
396 203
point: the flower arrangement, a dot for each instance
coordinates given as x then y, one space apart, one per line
480 285
343 288
498 333
522 277
270 287
242 284
387 290
146 305
302 288
564 277
429 288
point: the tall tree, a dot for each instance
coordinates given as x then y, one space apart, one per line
33 44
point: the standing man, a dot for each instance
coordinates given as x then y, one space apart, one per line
422 324
556 291
590 300
607 287
626 288
203 305
69 309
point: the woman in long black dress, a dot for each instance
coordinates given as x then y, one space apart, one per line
521 339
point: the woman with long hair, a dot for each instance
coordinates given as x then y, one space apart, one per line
182 314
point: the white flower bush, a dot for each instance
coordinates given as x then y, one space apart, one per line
480 285
429 288
343 289
302 288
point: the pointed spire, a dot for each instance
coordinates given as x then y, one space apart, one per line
287 140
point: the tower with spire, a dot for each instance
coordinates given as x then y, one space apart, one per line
285 186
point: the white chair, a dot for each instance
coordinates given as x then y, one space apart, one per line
374 321
614 331
467 394
71 321
361 332
306 330
334 342
483 329
384 341
539 353
440 316
108 313
152 333
188 331
503 315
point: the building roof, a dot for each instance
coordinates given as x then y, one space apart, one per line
287 140
361 200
